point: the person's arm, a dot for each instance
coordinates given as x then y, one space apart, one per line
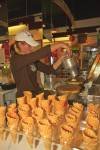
27 59
58 62
48 69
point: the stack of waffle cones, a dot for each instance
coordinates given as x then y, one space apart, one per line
55 122
12 108
12 122
46 105
45 130
28 96
51 99
91 132
37 115
23 110
2 121
28 128
21 100
60 106
66 136
33 103
39 98
68 128
89 139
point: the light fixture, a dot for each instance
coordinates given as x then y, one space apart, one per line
15 29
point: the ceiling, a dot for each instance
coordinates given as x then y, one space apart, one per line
81 9
23 11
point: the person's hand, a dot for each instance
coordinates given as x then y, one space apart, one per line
59 62
63 47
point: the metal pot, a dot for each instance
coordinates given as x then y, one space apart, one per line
71 65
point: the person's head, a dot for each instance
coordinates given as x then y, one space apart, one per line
25 43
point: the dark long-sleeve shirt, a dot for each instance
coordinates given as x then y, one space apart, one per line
24 69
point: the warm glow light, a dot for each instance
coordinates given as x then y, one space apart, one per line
46 41
0 45
14 29
62 39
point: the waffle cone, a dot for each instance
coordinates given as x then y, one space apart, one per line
93 122
12 108
59 107
28 96
23 114
24 107
1 133
53 118
12 120
13 134
21 100
66 147
45 104
90 146
66 134
89 136
33 103
2 110
45 128
52 99
47 144
28 125
2 121
39 97
38 113
30 139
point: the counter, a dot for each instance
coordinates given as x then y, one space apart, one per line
7 96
